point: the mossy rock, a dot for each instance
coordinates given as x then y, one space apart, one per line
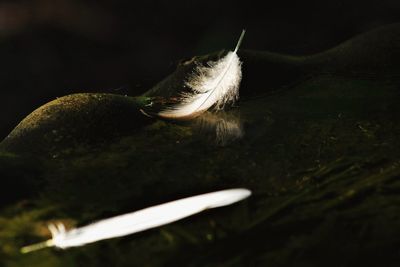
84 120
322 165
75 121
321 157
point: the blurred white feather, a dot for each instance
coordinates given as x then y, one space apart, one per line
215 84
138 221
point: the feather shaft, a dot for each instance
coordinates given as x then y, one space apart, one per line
240 41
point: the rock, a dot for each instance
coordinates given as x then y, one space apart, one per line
75 121
375 54
87 119
321 159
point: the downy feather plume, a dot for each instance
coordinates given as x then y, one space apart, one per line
215 84
138 221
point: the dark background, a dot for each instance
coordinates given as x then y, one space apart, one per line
50 48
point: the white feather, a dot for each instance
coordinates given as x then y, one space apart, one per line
213 85
138 221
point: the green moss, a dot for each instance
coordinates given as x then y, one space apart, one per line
321 159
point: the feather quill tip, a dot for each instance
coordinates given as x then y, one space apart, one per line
38 246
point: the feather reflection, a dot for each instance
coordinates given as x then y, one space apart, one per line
222 126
